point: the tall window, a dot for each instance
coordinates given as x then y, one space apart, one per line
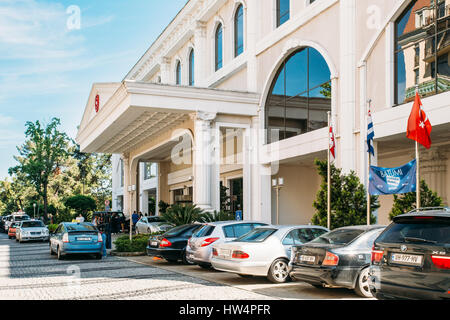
178 73
122 174
300 96
422 45
239 31
191 68
283 11
150 170
218 47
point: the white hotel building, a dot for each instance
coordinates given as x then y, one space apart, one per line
226 77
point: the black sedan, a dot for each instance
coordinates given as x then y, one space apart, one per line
337 259
171 245
411 258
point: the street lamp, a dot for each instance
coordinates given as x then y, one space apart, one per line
34 208
278 184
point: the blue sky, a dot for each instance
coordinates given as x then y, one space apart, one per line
48 65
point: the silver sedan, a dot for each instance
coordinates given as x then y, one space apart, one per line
147 225
264 251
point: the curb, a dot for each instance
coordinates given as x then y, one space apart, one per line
127 254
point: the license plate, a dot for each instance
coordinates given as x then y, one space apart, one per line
84 239
406 259
224 253
154 243
310 259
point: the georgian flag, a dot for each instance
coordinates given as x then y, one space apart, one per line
370 135
332 144
419 127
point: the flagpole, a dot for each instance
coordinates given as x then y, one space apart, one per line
418 168
418 176
368 171
329 176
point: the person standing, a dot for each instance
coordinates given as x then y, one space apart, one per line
135 218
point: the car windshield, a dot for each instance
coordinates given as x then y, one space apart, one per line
21 218
418 231
256 235
80 227
32 224
339 236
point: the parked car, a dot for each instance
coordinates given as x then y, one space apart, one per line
171 245
340 258
76 238
148 225
199 248
32 230
411 258
2 223
12 230
264 251
116 218
6 223
16 217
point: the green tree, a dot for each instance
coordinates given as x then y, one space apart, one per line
41 155
81 204
406 202
348 199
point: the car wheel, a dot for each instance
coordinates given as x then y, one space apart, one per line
184 259
51 251
137 230
17 239
279 271
149 231
99 256
362 285
171 260
60 255
205 266
10 237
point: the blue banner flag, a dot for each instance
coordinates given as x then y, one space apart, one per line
399 180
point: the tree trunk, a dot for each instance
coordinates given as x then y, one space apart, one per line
45 200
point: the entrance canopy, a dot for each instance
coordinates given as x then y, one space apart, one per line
119 117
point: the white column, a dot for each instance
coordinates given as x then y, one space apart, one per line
166 73
200 54
250 38
204 161
126 183
347 84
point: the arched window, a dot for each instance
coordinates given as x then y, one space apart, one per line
283 11
191 68
300 96
218 39
239 31
178 73
421 50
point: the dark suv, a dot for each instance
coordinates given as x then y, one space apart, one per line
411 258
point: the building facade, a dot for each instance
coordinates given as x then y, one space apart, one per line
236 93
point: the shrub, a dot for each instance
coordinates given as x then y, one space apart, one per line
139 243
407 202
52 227
348 199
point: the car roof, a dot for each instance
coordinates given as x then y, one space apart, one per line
291 226
230 222
362 227
438 212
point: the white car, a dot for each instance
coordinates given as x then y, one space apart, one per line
32 230
264 251
16 218
199 248
147 225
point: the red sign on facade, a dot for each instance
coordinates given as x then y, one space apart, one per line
97 103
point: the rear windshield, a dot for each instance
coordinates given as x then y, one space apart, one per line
32 224
80 227
340 236
181 229
205 231
417 230
256 235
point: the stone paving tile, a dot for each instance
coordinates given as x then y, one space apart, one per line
28 272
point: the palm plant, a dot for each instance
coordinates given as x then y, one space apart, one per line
182 214
217 216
